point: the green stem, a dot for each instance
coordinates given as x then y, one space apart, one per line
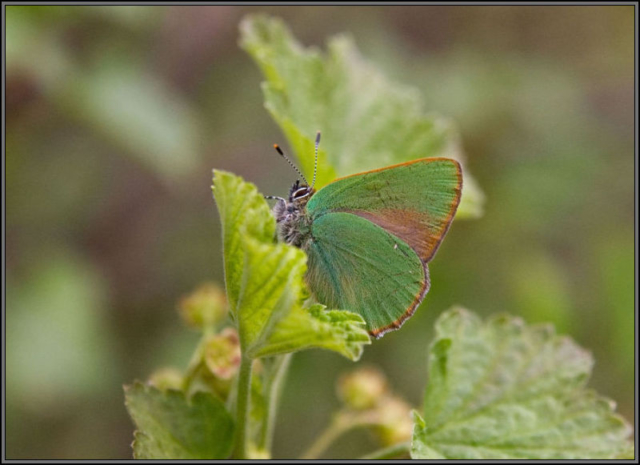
272 396
395 451
195 363
340 425
193 367
242 407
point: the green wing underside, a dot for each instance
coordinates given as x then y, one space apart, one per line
414 201
358 266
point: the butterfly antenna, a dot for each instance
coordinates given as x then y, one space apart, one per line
279 150
274 197
315 164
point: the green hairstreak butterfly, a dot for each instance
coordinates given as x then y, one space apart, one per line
369 236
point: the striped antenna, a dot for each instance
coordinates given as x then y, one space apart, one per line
279 150
274 197
315 165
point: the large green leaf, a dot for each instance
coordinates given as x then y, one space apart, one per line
503 390
271 289
366 121
173 426
265 286
243 213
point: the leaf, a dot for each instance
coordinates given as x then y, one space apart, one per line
243 212
366 121
337 330
502 390
271 288
172 426
265 282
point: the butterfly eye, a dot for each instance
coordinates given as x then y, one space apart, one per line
300 193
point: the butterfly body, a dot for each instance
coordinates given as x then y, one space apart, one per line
369 236
293 222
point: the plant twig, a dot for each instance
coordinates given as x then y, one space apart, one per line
272 396
341 423
391 452
194 366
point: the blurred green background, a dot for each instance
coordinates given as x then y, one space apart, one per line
116 116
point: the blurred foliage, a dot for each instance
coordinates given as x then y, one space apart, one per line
62 337
115 118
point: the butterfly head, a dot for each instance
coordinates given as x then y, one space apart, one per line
293 224
300 194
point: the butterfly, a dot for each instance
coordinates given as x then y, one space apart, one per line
369 236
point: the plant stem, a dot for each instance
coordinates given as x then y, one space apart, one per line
242 407
340 425
394 451
272 396
193 367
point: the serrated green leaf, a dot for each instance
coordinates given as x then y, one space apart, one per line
366 121
271 289
172 426
243 212
341 331
503 390
265 282
420 449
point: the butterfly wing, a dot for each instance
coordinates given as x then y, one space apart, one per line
356 265
414 201
373 234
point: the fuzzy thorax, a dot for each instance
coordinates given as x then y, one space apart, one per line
293 223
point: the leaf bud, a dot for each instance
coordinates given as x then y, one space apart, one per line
363 388
205 307
222 354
